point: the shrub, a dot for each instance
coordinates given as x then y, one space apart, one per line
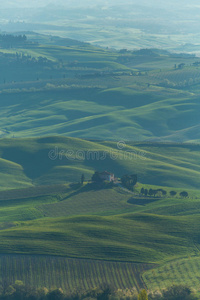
184 194
56 294
106 291
142 295
178 292
173 193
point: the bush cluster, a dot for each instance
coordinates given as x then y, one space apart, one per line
161 192
19 291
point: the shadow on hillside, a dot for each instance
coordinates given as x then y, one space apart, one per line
7 225
142 201
78 189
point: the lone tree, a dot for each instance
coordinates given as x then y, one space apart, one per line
82 178
184 194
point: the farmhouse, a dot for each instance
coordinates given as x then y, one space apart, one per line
107 176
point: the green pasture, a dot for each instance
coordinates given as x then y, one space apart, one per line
69 274
57 160
133 237
109 224
91 113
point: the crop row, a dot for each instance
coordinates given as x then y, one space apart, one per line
184 271
178 75
68 273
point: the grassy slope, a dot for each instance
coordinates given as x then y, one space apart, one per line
67 201
131 237
54 160
117 225
105 114
122 106
52 272
182 271
155 231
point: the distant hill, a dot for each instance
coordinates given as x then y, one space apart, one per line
49 39
76 89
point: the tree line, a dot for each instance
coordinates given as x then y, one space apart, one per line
10 41
19 57
19 291
161 192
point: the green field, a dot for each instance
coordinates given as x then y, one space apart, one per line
109 224
82 109
184 271
70 274
101 113
88 92
57 160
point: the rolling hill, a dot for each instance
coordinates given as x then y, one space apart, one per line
42 214
75 89
81 109
109 224
57 160
94 113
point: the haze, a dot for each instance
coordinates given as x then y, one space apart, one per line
145 24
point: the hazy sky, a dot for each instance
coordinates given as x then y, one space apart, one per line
39 3
174 22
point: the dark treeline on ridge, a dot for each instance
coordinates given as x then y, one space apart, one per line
9 40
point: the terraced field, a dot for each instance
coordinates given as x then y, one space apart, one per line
70 274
